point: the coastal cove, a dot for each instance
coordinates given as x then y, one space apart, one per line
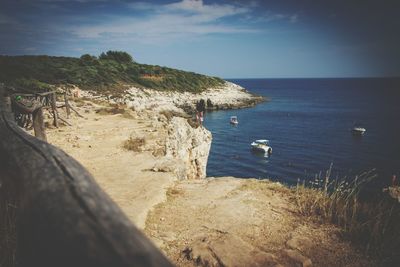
194 221
151 158
308 122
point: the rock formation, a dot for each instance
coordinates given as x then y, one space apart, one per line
189 147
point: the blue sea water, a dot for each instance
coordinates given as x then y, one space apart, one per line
308 123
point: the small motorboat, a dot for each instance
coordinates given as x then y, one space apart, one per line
234 120
262 145
358 130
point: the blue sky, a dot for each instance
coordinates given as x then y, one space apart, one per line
230 39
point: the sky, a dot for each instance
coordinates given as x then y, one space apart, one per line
228 39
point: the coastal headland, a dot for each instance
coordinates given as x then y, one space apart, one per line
148 153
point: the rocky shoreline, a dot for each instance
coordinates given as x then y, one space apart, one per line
160 184
228 96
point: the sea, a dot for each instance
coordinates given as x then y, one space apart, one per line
308 123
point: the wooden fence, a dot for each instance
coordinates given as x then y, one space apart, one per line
52 212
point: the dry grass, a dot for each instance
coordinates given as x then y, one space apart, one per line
134 144
372 224
79 102
169 114
264 186
127 115
158 78
116 109
173 192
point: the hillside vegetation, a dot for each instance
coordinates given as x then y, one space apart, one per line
106 73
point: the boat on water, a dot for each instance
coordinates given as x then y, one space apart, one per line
234 120
262 145
358 130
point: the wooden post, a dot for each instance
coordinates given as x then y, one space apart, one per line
7 100
54 108
67 105
38 124
77 113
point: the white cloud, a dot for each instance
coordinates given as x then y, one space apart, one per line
30 49
268 17
79 1
212 11
175 21
168 22
192 5
165 26
294 18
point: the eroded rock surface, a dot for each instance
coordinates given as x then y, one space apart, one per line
189 145
243 222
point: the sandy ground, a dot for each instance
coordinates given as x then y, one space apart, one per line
210 222
96 141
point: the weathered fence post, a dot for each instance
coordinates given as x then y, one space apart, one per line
54 108
38 124
7 103
67 105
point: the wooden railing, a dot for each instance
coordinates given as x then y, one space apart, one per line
52 212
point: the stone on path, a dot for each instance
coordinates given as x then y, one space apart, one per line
298 257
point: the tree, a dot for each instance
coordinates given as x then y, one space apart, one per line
119 56
87 59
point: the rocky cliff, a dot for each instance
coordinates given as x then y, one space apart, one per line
186 150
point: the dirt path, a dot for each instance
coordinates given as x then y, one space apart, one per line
96 142
242 222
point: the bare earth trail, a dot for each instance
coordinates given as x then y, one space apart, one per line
208 222
96 142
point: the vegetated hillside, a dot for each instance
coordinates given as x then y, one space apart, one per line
106 73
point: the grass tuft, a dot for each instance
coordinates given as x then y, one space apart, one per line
370 223
114 109
134 144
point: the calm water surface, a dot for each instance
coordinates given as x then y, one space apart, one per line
308 123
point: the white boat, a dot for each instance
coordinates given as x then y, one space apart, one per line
262 145
234 120
358 130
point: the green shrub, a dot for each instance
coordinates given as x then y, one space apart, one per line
118 56
106 75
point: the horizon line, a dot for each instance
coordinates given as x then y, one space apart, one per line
347 77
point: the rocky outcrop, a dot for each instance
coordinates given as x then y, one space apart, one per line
228 96
187 149
218 251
